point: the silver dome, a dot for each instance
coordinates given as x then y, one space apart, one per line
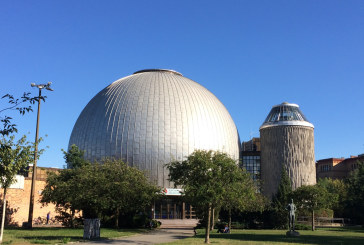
151 118
286 114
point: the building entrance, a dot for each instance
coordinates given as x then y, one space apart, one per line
172 207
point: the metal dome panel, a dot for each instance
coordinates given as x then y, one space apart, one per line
151 118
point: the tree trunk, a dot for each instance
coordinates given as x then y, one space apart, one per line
3 217
212 219
229 220
72 218
207 235
117 218
313 220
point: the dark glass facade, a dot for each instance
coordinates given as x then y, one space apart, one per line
252 164
250 156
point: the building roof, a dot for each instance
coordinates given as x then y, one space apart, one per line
158 70
286 114
151 118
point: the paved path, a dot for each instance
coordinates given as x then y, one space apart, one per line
153 237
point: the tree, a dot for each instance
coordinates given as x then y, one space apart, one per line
241 193
14 157
16 104
337 194
280 201
99 188
311 198
62 186
206 177
74 157
127 189
59 190
355 195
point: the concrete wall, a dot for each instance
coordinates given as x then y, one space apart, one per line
291 146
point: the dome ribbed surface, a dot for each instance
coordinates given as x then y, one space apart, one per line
151 118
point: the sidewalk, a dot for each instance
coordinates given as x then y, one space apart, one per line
153 237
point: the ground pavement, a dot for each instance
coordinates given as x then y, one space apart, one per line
152 237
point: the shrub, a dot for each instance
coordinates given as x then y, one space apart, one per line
66 240
302 227
153 223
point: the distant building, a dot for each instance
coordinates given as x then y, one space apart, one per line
251 145
250 156
337 168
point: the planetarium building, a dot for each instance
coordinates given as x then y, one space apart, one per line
151 118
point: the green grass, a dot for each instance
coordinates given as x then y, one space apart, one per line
17 236
335 236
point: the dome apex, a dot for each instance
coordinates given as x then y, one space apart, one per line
158 70
285 104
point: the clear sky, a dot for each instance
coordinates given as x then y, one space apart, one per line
250 54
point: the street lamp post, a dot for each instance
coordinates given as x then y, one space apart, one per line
31 204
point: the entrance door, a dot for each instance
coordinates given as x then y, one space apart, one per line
170 208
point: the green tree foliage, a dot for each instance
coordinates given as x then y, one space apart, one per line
279 216
337 194
17 104
64 193
128 189
241 194
311 198
210 180
74 157
98 188
59 191
355 194
14 157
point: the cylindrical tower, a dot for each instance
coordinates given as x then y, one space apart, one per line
286 140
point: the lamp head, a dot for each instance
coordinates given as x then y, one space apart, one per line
47 86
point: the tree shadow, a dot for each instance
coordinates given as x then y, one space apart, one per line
50 238
304 239
9 212
345 229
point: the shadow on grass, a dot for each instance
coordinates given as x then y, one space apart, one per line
305 239
13 228
50 238
345 229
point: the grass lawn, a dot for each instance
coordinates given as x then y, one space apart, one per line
322 236
337 236
46 235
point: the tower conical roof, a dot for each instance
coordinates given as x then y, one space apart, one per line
286 114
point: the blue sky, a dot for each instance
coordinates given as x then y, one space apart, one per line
250 54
